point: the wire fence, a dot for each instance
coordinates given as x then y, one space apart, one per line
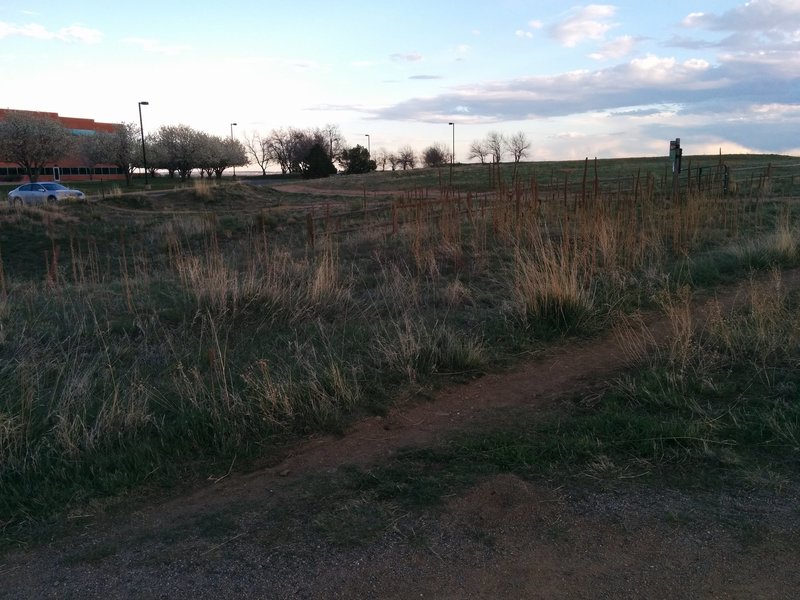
707 182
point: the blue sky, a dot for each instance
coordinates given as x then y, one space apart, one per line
605 80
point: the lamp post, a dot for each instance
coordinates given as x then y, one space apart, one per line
141 130
369 149
234 166
453 155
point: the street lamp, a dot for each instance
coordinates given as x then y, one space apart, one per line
141 130
369 149
234 166
453 155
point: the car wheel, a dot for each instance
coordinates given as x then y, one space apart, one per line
51 200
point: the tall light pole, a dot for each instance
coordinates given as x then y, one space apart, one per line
234 166
369 149
453 155
141 130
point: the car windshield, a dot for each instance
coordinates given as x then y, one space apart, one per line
53 186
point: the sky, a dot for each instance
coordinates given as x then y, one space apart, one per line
579 80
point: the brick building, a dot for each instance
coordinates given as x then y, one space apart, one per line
69 168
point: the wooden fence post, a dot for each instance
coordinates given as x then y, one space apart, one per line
310 228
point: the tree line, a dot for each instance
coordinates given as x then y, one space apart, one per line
33 141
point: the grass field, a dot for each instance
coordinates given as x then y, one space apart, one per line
145 337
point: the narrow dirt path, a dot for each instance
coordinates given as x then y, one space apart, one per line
541 543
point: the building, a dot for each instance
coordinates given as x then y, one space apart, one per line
69 168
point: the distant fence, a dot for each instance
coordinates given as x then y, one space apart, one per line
577 187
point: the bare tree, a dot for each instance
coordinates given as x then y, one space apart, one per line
381 158
407 158
436 155
258 148
335 140
518 145
32 141
290 147
280 151
393 160
479 149
495 143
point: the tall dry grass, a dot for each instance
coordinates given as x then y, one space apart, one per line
184 340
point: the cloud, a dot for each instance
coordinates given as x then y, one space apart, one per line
694 85
80 34
758 25
410 57
617 48
534 25
73 33
155 46
586 23
689 43
777 16
426 77
568 135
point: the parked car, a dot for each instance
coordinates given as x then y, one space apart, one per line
41 193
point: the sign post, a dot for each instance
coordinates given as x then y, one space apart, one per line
675 154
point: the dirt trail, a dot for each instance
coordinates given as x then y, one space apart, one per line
541 542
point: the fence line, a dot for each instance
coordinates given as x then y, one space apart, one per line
421 206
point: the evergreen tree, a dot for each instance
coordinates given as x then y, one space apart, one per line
317 163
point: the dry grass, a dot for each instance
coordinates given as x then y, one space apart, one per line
203 188
548 286
198 339
412 348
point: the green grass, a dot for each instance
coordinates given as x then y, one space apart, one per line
729 421
195 327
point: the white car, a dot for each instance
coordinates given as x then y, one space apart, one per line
41 193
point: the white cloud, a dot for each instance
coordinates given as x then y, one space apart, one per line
697 64
533 25
617 48
693 19
586 23
73 33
